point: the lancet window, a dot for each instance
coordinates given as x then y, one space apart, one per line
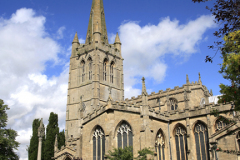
98 144
221 123
111 72
124 135
181 143
83 70
105 69
160 146
173 103
201 139
90 68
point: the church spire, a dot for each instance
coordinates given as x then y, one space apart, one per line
97 17
75 39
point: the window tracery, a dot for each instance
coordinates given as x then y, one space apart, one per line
124 135
221 123
181 143
98 144
202 142
160 146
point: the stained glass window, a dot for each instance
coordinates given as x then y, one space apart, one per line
181 143
221 123
98 144
160 144
201 139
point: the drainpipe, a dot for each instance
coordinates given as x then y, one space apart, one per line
169 142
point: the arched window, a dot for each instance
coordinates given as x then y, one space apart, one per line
221 123
160 145
83 70
111 72
238 140
90 68
105 69
201 140
173 103
98 144
181 143
124 135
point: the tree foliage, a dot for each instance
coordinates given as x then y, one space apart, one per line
127 154
226 13
120 154
230 69
52 130
61 139
33 147
7 136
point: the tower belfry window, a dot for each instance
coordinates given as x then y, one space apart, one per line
83 70
90 68
111 72
173 104
105 69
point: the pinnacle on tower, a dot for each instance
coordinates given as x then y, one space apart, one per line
199 80
75 39
144 91
117 39
187 79
97 17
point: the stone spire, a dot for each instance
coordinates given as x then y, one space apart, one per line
211 93
75 39
144 91
41 131
97 18
199 79
117 39
187 80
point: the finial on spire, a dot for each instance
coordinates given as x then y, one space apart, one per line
75 39
211 93
144 91
187 79
117 39
199 79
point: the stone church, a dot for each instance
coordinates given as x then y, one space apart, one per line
177 124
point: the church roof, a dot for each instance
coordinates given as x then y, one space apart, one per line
97 17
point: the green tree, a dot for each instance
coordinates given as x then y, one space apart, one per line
127 154
7 136
33 147
52 130
120 154
61 139
230 69
142 154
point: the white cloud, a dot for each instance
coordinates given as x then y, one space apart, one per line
144 47
60 32
25 47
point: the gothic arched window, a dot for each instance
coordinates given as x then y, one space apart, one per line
105 69
201 139
221 123
181 143
238 140
83 70
160 145
111 72
98 144
90 68
173 103
124 135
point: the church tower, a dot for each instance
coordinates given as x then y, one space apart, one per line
95 72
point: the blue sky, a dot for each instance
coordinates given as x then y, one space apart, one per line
162 40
